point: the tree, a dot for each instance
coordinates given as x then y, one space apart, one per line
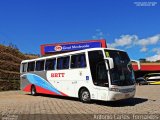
13 46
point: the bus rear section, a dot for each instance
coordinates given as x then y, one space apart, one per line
63 74
100 74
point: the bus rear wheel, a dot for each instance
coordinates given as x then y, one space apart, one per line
33 90
85 96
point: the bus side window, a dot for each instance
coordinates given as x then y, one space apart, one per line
24 67
50 64
31 66
63 63
59 63
40 65
66 63
83 61
74 61
78 61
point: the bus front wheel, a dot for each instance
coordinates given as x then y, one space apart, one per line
85 96
33 90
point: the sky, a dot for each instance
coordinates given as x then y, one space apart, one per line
130 25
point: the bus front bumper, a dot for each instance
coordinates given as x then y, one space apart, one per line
113 96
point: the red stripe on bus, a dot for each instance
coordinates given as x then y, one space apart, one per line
42 90
45 91
27 88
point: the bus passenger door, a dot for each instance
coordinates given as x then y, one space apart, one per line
99 72
101 82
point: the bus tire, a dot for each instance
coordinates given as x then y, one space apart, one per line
33 90
85 96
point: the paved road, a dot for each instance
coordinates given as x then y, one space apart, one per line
146 101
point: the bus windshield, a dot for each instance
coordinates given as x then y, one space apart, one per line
122 74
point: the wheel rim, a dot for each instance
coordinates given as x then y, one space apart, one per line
85 96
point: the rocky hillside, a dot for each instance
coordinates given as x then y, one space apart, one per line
10 59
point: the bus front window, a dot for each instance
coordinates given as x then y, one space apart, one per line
122 74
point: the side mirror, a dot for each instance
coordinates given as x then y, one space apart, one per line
111 64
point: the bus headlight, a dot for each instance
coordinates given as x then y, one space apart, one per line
114 89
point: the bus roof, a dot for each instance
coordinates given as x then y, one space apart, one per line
65 54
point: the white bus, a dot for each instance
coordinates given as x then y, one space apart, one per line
96 73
